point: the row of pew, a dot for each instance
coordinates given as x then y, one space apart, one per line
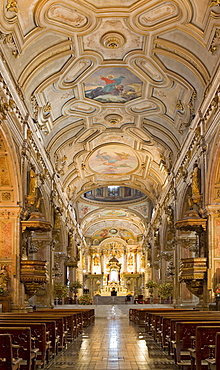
192 337
30 340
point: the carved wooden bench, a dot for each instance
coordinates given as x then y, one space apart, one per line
167 327
183 340
38 333
69 329
88 314
214 357
153 318
157 321
204 337
8 358
21 336
51 328
140 315
201 316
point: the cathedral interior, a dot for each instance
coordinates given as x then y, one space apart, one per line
109 150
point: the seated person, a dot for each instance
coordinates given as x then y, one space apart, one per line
128 297
113 292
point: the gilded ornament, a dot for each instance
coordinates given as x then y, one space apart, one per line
196 196
215 3
47 108
215 41
12 6
179 105
9 40
6 196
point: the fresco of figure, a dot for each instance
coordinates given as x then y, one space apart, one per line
111 82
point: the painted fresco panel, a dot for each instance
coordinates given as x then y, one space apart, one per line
142 208
113 212
109 232
6 235
113 159
216 275
217 237
84 209
4 173
113 85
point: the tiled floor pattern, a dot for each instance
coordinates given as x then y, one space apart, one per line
113 343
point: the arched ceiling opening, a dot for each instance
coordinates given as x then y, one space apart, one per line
113 87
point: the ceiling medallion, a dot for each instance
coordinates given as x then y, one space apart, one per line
112 40
113 231
113 118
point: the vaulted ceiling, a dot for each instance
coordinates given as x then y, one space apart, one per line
112 87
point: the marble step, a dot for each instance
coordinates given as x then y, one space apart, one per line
111 311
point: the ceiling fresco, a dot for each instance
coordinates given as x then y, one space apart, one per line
113 159
102 234
112 87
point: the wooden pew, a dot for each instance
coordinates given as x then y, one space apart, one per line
155 320
38 332
88 314
50 327
205 336
8 359
138 315
204 318
214 361
167 328
72 322
21 336
60 325
183 339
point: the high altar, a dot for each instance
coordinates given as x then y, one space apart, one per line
111 267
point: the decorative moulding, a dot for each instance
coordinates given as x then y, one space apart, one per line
36 222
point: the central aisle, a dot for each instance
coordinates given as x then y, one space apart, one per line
113 343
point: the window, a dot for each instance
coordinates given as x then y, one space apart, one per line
113 191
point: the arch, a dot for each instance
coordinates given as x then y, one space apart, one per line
212 193
10 200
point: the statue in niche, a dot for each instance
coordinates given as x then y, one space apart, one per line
4 279
195 183
130 260
57 222
83 262
33 184
170 224
157 238
96 261
78 252
143 261
170 216
71 190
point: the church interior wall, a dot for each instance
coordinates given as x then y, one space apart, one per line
48 227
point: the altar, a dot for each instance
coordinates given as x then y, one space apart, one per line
112 300
107 289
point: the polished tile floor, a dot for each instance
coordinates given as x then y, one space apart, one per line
113 343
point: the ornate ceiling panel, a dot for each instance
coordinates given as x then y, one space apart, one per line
112 87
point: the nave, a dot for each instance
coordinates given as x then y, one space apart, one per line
112 343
